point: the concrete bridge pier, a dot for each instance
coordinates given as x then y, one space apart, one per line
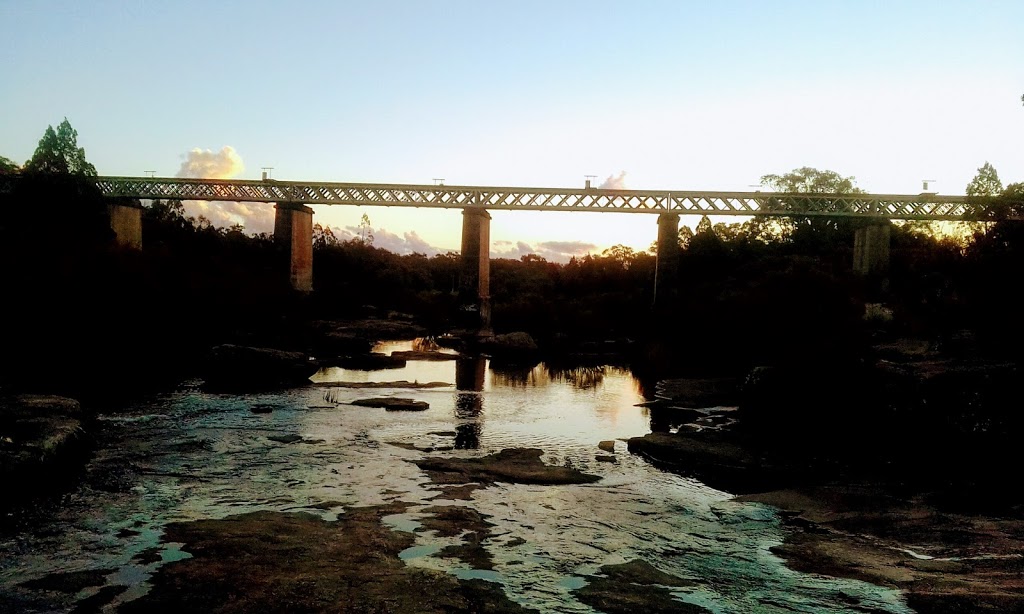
871 249
475 278
293 227
126 222
666 277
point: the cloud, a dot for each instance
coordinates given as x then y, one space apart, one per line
408 243
553 251
614 182
569 248
223 164
206 164
505 249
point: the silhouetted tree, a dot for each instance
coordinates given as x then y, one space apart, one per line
58 152
985 183
8 166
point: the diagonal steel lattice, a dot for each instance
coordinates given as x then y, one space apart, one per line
892 206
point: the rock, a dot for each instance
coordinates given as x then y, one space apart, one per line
415 355
240 367
511 347
393 403
605 458
276 562
285 438
516 465
41 438
699 393
371 362
395 384
519 342
635 586
607 446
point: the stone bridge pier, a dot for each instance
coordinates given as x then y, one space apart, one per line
666 277
475 276
871 248
126 222
293 228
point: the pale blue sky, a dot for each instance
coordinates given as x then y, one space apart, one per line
681 95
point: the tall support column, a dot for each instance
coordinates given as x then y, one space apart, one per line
475 280
666 277
126 222
293 227
871 249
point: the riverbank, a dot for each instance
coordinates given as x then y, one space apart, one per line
918 501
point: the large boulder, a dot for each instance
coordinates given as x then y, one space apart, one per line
40 435
516 347
241 367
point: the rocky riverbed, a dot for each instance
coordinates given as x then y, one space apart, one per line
513 491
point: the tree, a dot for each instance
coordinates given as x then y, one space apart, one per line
685 236
986 182
8 166
807 180
58 152
621 254
323 237
365 230
810 230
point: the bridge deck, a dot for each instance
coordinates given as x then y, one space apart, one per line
891 206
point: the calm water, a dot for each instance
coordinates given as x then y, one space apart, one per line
193 455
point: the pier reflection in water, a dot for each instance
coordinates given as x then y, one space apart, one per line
470 377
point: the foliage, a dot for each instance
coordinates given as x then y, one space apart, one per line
58 152
985 183
8 166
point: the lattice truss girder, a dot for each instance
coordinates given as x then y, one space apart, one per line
922 207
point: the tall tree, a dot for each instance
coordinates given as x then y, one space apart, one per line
7 165
58 152
807 180
986 182
817 230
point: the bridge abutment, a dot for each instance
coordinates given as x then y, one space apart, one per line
293 227
126 222
666 277
475 278
871 249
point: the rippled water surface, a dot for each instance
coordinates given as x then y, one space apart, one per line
192 455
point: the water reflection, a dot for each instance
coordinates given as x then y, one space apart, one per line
470 374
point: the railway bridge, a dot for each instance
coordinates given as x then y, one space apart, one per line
293 225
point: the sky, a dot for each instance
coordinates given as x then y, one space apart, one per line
680 95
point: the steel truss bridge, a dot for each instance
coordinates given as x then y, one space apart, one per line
924 206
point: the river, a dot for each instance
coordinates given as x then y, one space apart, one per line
191 455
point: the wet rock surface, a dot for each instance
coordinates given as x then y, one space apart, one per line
277 562
236 367
370 362
393 403
42 441
635 586
393 384
520 466
424 355
944 561
950 543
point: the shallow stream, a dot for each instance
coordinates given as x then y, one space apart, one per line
191 455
